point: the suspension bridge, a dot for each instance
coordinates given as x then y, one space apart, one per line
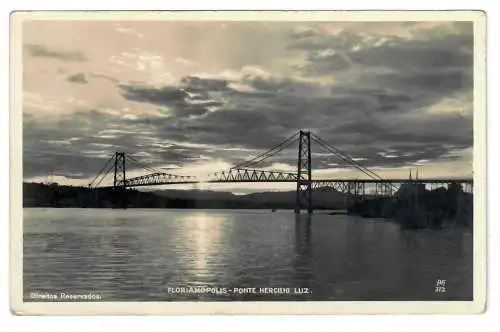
250 171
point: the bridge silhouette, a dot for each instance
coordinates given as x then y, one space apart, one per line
371 185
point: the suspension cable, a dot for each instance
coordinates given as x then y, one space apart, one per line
348 159
154 170
105 174
102 169
147 168
250 164
269 153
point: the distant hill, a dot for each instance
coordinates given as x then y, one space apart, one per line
330 199
53 195
319 197
195 194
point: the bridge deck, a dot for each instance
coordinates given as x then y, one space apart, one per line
314 181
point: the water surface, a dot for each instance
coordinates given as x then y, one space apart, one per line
138 254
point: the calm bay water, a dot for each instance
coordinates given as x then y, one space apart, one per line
138 254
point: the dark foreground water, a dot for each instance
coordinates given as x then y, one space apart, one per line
157 255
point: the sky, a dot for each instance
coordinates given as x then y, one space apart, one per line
196 97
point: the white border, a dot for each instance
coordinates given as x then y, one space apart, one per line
253 307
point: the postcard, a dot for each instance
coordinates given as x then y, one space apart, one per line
259 162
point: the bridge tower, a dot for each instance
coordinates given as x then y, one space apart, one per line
119 179
304 190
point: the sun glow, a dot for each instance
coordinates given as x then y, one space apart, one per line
202 186
204 233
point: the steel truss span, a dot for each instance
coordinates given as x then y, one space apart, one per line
342 185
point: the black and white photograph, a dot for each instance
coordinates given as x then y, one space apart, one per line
252 158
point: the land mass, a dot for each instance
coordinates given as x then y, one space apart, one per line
416 207
53 195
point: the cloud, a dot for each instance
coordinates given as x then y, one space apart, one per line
432 59
81 143
78 78
431 83
128 31
106 77
389 95
189 99
256 120
38 50
445 52
197 84
161 96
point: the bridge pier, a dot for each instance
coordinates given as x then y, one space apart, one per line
119 184
304 190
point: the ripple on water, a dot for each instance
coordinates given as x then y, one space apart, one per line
137 254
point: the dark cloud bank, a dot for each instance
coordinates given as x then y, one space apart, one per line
78 78
38 50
